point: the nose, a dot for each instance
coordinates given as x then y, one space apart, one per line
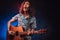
27 5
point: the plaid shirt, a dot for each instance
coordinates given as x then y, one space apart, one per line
23 22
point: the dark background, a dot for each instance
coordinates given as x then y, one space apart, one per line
45 14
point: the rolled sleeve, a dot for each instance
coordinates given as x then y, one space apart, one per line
15 17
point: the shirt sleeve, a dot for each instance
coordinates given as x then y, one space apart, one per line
15 17
34 23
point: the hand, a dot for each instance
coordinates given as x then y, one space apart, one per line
28 32
11 32
32 31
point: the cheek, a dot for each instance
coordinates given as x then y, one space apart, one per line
24 6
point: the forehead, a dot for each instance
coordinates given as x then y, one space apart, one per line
27 2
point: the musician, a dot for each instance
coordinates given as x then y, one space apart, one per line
25 18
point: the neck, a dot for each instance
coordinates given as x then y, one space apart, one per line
25 13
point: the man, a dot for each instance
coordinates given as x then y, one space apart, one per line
25 18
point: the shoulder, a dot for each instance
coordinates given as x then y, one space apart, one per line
34 18
17 15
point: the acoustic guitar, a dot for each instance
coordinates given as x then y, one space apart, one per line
17 33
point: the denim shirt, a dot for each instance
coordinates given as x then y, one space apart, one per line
23 22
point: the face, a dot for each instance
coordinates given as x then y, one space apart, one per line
26 6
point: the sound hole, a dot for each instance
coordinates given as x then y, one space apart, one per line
17 33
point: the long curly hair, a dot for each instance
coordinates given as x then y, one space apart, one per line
31 10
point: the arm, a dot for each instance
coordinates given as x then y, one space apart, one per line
33 25
10 21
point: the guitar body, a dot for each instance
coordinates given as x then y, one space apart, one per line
18 31
14 36
19 28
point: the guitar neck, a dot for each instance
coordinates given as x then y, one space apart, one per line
23 33
35 32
